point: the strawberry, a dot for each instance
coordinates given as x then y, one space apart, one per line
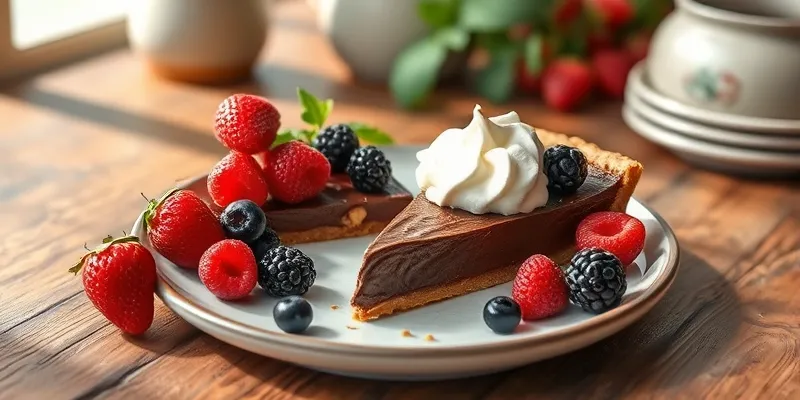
181 227
119 278
527 82
297 172
246 123
262 159
638 46
615 232
567 11
611 68
614 13
566 84
540 288
237 177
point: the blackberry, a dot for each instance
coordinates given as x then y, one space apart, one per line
243 220
268 240
337 143
369 170
596 280
566 169
285 271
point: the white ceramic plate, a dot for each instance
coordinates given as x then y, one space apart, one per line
715 156
706 132
637 82
463 344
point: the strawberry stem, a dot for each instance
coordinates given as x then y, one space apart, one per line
153 204
108 241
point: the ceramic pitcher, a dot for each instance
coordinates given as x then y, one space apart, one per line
203 41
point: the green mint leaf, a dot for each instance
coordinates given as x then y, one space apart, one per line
497 15
287 135
415 72
532 52
315 111
454 38
371 134
496 81
438 13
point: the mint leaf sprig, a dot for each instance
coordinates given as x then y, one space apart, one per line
315 113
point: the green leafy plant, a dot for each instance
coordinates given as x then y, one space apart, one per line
315 113
509 33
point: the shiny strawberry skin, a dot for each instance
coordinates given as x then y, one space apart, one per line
297 172
566 84
247 123
119 280
181 228
237 177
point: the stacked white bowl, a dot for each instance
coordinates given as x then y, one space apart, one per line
721 86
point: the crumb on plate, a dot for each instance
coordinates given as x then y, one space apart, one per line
430 338
352 328
406 333
334 307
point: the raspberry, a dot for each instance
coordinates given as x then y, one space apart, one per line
615 232
337 143
596 280
566 169
286 271
540 288
237 177
369 170
228 269
246 123
297 172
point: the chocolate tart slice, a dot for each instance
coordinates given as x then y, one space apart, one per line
429 253
339 211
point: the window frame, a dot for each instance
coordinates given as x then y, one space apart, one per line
15 62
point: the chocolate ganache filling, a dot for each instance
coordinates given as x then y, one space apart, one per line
428 245
328 208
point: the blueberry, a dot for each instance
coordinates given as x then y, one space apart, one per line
293 314
502 314
267 241
243 220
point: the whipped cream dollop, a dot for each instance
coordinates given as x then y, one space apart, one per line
494 165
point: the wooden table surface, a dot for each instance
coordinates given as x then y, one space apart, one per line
78 144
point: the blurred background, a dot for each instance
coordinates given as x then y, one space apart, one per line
714 81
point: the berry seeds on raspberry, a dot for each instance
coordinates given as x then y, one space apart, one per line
247 123
228 269
369 170
540 289
337 143
237 177
616 232
297 172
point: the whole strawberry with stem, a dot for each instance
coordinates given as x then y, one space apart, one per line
181 227
119 278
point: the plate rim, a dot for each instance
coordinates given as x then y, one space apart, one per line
686 144
167 288
714 118
714 134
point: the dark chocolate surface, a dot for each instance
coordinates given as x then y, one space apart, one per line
328 208
427 245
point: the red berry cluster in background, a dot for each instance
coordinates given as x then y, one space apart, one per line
567 51
590 51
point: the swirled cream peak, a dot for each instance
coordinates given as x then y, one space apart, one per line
494 165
